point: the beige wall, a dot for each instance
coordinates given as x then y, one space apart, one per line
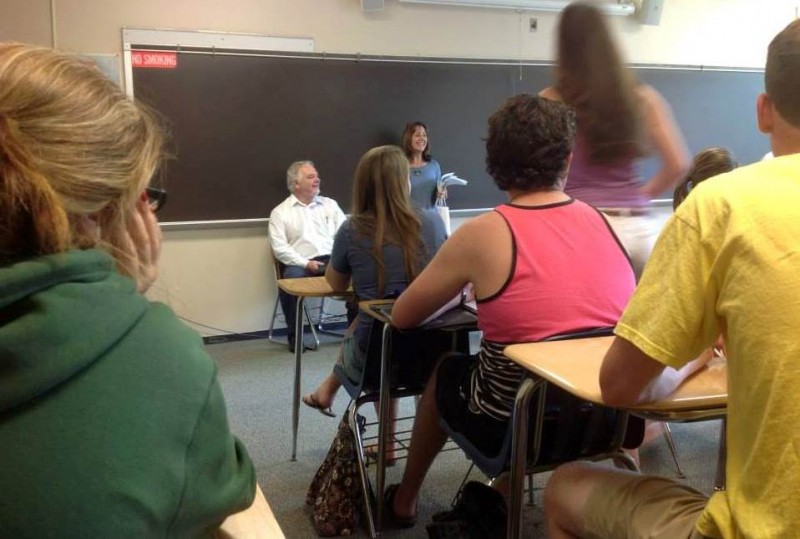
222 277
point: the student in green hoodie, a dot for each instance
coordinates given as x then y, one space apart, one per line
112 422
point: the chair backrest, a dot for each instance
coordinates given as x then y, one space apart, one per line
278 265
572 428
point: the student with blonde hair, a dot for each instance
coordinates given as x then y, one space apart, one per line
619 121
112 422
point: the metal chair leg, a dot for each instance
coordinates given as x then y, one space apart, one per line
530 490
352 419
672 450
272 320
722 456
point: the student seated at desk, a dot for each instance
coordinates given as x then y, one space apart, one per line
727 262
382 246
112 421
541 264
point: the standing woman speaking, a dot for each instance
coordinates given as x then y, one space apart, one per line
619 121
425 171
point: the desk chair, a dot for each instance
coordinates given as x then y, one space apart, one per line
416 351
279 266
563 429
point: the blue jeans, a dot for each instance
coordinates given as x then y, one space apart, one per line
289 303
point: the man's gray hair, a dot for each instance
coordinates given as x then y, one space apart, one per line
293 171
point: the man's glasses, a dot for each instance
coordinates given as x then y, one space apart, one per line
156 198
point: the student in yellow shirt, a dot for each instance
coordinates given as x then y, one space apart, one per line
727 262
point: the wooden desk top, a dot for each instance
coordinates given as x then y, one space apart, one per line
255 522
574 365
309 287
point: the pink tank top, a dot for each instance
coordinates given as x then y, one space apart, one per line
569 272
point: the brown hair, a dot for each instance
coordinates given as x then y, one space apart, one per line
72 146
529 143
782 73
382 209
706 164
408 134
592 78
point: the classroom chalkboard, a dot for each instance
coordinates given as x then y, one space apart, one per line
238 120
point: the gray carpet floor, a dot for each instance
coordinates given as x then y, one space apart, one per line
257 377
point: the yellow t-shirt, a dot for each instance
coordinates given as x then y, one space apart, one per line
728 262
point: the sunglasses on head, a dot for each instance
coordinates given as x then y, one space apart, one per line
156 198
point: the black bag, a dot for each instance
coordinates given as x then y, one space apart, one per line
480 513
334 494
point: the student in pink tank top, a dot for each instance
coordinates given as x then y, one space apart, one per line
540 265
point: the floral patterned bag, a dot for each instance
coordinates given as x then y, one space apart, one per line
335 493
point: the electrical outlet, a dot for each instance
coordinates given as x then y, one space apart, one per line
534 24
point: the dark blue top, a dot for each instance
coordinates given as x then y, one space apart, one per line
352 255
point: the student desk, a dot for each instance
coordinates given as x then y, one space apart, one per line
255 522
460 318
302 288
574 365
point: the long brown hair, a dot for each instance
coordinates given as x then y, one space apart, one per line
592 78
382 209
706 164
72 145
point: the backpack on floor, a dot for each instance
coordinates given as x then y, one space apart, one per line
335 493
480 513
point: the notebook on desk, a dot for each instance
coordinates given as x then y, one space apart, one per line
462 314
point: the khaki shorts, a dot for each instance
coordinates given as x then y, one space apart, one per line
635 506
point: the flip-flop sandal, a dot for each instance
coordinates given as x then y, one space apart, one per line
388 509
311 401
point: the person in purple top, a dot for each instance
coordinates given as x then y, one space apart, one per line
619 121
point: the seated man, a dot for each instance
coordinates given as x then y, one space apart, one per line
301 231
726 262
541 265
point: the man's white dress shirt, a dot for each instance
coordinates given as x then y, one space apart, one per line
299 232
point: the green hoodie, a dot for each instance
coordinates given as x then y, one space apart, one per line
112 422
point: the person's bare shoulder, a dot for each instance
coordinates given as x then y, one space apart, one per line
550 93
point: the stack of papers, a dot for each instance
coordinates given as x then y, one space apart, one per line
444 182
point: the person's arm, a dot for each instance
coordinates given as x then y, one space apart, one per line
667 140
339 282
438 283
219 477
338 272
279 242
628 376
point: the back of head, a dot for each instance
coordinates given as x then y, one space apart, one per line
782 73
529 143
408 134
706 164
72 146
382 208
592 77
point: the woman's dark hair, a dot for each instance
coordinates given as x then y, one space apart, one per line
529 143
408 134
592 78
706 164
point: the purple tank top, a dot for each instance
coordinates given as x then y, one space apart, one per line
603 185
